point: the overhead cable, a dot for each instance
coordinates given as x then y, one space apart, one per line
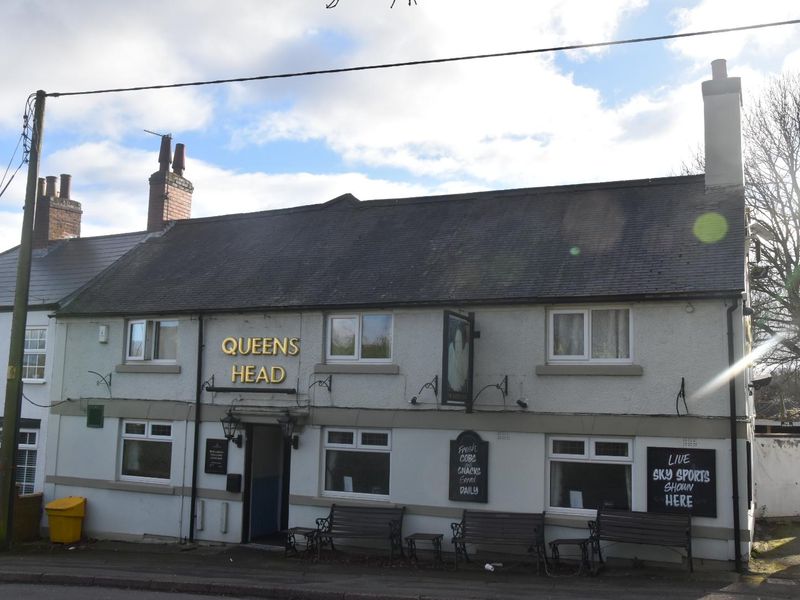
431 61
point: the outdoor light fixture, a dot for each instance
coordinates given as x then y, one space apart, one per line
287 423
522 402
232 427
502 386
433 384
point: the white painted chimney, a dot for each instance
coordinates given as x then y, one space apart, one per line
722 103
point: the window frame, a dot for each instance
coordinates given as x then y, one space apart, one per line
356 357
152 329
147 436
588 457
357 445
35 352
586 357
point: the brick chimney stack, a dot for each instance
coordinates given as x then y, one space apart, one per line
170 191
57 216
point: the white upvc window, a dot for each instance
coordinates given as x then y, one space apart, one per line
152 339
600 334
27 453
25 465
34 358
360 337
357 462
587 473
146 451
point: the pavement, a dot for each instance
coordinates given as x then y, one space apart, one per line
264 572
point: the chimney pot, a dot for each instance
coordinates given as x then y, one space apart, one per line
165 153
179 162
50 190
719 69
66 183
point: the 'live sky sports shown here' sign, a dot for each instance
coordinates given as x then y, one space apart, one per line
681 480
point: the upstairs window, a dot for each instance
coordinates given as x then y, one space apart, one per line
597 334
360 337
34 357
152 340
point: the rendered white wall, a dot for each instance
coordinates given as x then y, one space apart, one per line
777 476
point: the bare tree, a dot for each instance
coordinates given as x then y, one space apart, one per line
772 193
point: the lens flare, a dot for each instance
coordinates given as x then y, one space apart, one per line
736 368
710 227
575 251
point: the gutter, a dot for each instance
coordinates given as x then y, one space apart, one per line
737 536
196 442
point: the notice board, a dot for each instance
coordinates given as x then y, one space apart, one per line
469 473
681 480
216 456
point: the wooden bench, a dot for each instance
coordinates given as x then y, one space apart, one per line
524 530
362 522
632 527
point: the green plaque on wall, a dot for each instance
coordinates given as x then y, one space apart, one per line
94 416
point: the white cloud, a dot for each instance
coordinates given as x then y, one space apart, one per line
495 123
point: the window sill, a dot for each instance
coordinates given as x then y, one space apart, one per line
148 368
34 381
357 369
585 369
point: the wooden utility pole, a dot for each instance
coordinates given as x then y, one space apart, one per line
13 401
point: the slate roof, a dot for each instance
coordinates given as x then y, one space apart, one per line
630 239
63 268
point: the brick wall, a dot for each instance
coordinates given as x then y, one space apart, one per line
170 199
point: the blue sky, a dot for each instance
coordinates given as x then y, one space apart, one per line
624 112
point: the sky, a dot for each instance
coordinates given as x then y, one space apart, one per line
606 114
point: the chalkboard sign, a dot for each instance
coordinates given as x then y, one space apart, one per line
469 473
217 456
681 480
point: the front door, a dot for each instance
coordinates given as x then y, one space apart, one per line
267 487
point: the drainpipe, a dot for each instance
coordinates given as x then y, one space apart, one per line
198 396
737 541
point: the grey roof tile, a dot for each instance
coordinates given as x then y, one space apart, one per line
630 239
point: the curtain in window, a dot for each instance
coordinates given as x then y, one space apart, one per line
611 333
568 334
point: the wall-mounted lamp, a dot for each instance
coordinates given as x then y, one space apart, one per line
433 384
232 427
502 386
522 402
287 423
689 308
327 383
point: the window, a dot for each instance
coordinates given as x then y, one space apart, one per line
365 337
598 334
152 340
26 460
25 465
357 461
33 359
590 473
146 451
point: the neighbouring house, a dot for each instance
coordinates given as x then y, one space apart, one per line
62 263
549 349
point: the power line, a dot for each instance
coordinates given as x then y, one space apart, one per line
23 139
431 61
